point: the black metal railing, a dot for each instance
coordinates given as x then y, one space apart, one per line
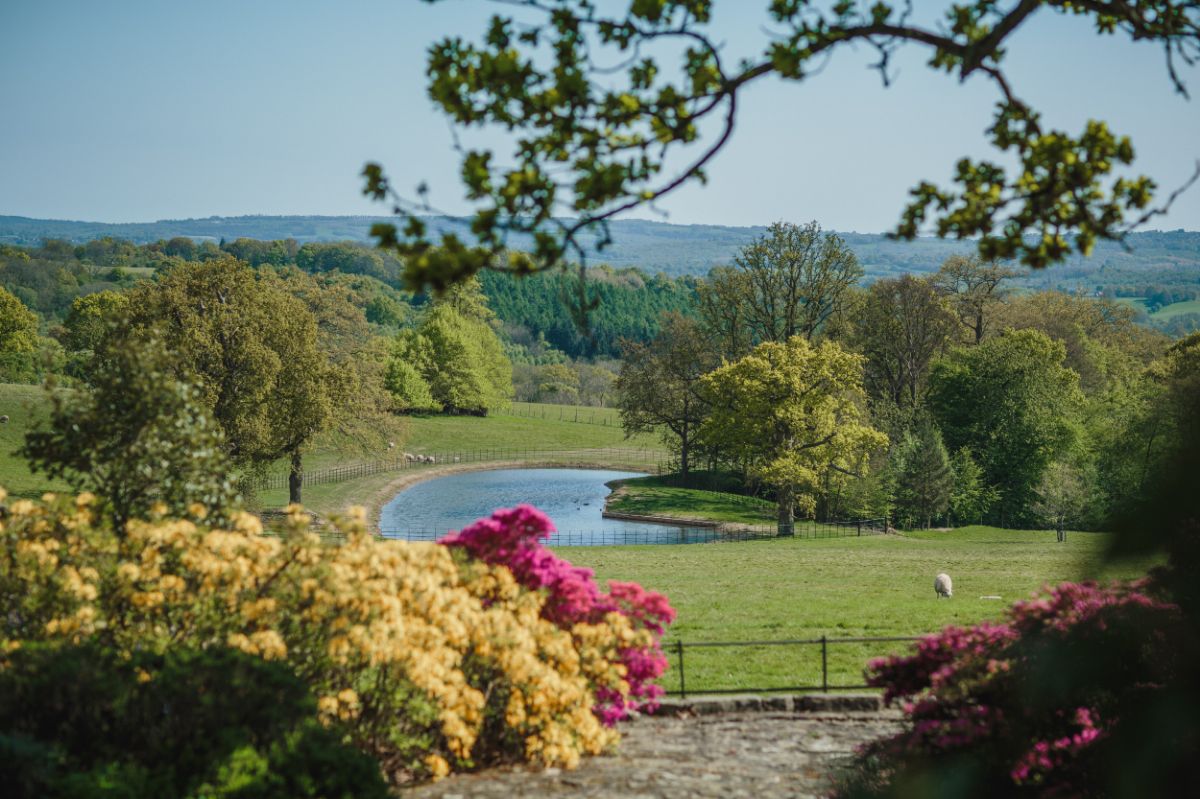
675 651
657 534
672 534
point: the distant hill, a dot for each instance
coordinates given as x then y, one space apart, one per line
1152 258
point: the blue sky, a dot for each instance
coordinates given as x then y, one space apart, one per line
135 111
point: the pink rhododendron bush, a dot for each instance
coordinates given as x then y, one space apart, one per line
512 539
430 657
1060 698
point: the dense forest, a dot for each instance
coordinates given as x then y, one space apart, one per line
946 398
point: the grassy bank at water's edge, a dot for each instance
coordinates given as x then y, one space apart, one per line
653 496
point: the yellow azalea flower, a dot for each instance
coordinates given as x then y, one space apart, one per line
438 767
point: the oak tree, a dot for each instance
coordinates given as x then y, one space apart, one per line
903 324
659 385
793 412
252 348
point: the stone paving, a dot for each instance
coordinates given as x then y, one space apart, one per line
701 752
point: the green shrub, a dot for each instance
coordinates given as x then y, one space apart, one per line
79 721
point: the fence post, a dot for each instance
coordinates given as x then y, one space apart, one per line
824 665
682 679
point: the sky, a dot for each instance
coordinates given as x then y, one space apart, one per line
125 111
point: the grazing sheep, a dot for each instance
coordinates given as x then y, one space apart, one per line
4 419
942 586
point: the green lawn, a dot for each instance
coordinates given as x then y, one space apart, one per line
849 587
24 406
650 496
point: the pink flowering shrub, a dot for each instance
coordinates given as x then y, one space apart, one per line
1048 702
512 537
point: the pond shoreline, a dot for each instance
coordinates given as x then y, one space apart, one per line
389 491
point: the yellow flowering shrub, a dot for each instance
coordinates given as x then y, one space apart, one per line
430 660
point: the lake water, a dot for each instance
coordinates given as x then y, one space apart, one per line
572 498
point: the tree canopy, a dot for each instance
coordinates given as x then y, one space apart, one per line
1014 404
139 435
786 283
18 325
796 413
659 386
252 348
453 357
593 140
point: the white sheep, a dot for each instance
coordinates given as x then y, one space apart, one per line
942 586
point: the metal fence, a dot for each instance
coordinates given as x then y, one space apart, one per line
673 534
657 534
653 460
606 417
676 649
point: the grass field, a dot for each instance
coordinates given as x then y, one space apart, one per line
651 496
451 434
847 587
1176 309
25 405
1164 313
579 414
1138 303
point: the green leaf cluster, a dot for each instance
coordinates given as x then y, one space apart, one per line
453 360
138 436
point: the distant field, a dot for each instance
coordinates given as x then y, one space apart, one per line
1136 302
1176 309
848 587
583 414
1164 313
501 435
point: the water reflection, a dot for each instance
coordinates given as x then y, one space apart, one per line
572 498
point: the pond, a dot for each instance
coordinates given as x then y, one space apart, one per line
572 498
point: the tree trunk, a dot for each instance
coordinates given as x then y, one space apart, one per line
683 457
787 521
295 478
